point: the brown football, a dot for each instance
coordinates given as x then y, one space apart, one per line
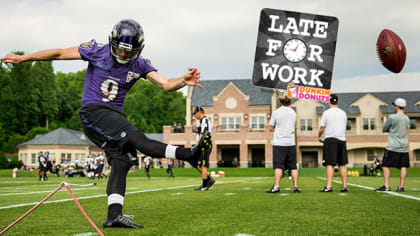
391 51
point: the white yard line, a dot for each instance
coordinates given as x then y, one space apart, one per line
24 193
104 195
371 188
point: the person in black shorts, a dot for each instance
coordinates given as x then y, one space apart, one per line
203 126
396 152
112 70
334 123
283 123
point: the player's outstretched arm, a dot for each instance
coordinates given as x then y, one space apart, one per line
71 53
191 78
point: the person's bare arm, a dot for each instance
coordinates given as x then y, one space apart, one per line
191 78
321 132
71 53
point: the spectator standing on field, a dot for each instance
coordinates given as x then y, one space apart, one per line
283 122
333 124
396 152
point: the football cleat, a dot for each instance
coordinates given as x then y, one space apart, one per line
326 190
273 190
122 221
201 188
400 189
383 189
296 190
344 190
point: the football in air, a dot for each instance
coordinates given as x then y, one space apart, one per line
391 51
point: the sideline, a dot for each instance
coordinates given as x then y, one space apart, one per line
370 188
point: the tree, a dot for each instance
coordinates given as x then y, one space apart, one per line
43 73
149 107
34 132
14 140
26 92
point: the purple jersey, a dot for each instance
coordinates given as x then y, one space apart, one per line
106 81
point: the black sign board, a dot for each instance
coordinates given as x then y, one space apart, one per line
294 47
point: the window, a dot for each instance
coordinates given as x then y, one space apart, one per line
33 158
82 157
69 157
309 123
305 125
366 123
257 122
348 126
302 125
369 123
372 123
370 155
231 123
418 155
413 123
77 156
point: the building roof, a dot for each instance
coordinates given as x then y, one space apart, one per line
155 136
63 136
211 88
60 136
346 99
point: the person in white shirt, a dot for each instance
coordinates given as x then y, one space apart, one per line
333 124
283 122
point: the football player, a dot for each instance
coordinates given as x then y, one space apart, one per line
113 69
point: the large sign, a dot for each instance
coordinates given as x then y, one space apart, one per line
294 47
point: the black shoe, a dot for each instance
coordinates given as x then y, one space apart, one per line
344 190
122 221
400 189
201 188
326 190
198 150
296 190
383 189
210 183
273 190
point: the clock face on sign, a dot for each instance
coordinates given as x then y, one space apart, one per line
295 50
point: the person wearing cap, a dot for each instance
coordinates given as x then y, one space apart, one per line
396 151
333 124
283 123
203 126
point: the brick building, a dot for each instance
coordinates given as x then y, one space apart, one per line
240 113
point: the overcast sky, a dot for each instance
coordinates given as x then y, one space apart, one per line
218 37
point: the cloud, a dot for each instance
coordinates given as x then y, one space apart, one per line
379 83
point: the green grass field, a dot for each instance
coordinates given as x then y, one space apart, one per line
237 204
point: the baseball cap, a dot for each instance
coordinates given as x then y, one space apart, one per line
333 98
400 102
198 109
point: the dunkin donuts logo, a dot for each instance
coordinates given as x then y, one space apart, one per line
309 93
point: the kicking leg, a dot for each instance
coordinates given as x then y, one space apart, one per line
157 149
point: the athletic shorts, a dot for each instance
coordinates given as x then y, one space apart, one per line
107 128
284 157
205 159
396 159
334 152
42 168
